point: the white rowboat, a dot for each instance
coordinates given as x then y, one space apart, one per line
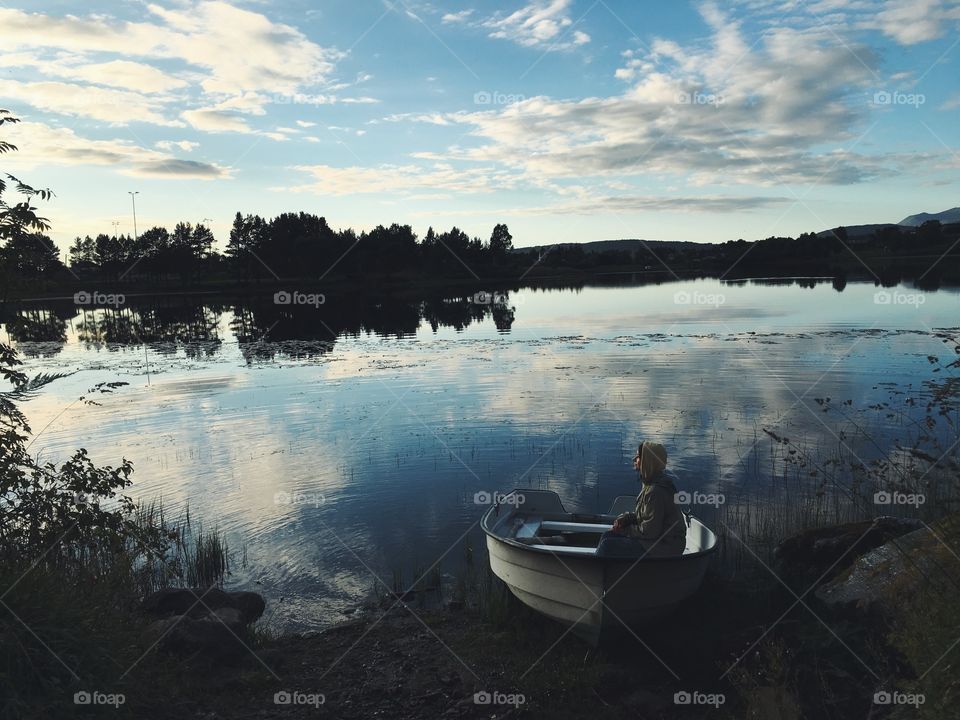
570 582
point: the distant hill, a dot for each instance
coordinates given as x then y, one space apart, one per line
862 232
854 231
599 246
947 216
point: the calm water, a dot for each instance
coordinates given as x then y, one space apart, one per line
346 440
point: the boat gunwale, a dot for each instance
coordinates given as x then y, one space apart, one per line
485 526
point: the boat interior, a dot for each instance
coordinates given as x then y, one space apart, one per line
541 523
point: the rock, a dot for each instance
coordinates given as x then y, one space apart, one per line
251 604
231 617
181 601
828 551
209 623
199 602
210 637
877 579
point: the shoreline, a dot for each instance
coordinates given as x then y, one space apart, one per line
406 286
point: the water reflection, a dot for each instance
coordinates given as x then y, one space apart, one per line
39 330
262 328
167 329
386 417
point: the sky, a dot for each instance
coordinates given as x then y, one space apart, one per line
569 120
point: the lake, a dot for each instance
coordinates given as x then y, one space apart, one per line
340 441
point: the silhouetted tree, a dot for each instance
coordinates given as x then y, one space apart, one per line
31 255
501 242
83 253
25 250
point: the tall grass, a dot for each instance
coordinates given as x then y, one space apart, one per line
69 620
795 488
195 557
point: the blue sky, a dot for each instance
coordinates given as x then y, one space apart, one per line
570 120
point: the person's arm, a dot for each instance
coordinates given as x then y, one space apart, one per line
651 512
624 522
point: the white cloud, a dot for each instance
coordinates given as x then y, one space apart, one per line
399 179
785 108
580 38
185 145
457 17
649 203
305 123
914 21
141 78
723 113
126 74
237 58
908 22
541 23
108 105
213 120
41 144
590 204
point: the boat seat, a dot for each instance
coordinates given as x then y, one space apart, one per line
528 528
566 549
575 526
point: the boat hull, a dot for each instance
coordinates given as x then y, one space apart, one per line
596 596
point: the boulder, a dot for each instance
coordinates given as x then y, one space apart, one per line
251 604
231 617
829 551
183 601
199 602
210 637
209 623
877 579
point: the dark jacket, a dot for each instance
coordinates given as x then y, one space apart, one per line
659 522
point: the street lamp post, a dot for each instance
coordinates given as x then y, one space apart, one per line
133 197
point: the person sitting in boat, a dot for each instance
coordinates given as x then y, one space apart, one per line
657 527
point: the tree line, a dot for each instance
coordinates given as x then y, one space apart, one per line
290 245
